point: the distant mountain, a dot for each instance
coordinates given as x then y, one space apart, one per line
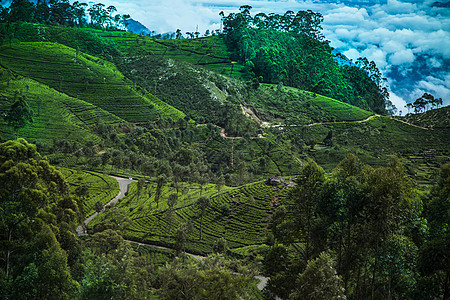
137 27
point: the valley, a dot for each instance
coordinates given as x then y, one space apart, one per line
128 151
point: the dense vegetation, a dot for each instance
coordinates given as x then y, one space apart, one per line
245 148
290 48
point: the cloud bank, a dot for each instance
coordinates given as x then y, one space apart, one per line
408 40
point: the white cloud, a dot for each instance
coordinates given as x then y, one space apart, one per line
398 102
405 56
439 87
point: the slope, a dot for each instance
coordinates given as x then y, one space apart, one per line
209 52
240 215
289 105
55 115
85 77
435 118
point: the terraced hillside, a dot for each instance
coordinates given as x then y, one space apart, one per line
209 52
55 115
240 215
101 187
197 92
85 77
436 118
292 106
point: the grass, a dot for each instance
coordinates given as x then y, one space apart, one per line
293 106
155 256
374 141
263 157
85 77
55 115
102 188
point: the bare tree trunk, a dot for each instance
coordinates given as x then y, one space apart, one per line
201 225
8 253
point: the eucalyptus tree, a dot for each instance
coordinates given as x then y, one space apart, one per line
202 203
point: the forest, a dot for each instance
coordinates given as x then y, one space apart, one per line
255 163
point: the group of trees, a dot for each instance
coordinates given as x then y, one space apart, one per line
421 104
61 12
290 48
37 216
382 236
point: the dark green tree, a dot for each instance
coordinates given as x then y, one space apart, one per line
202 203
19 115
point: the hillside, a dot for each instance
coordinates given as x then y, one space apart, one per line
85 77
435 118
56 115
268 175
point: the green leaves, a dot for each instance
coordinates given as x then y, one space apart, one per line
19 114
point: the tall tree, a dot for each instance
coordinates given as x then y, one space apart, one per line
203 203
319 281
159 185
19 115
306 194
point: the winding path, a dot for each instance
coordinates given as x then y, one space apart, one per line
123 185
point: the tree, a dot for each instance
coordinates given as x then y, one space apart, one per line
21 11
140 186
220 183
182 236
434 258
122 274
319 280
389 199
159 184
203 203
209 279
82 192
19 115
98 206
421 104
220 246
305 195
170 212
34 202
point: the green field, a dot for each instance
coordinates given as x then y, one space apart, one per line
55 115
296 107
240 215
102 188
85 77
209 52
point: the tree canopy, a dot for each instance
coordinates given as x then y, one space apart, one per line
291 48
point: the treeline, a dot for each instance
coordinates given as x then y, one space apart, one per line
361 233
61 12
291 49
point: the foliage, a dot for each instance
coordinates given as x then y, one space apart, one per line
37 217
62 12
421 104
101 188
319 280
19 115
290 48
211 278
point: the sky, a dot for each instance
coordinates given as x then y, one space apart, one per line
409 40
